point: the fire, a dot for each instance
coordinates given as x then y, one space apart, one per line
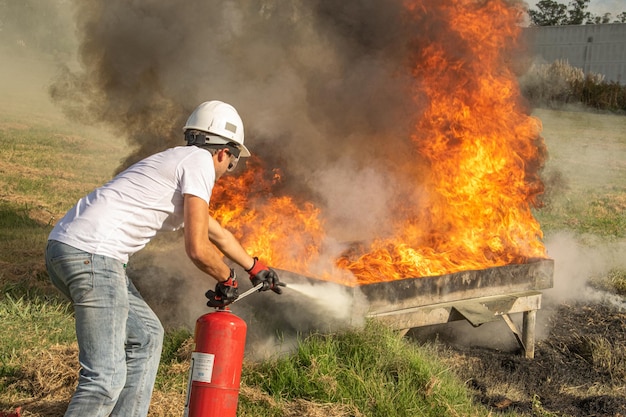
277 229
482 151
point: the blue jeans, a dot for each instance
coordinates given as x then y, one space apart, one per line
119 336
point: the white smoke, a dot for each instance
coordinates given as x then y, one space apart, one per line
575 264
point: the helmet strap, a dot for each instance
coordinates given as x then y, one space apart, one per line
196 138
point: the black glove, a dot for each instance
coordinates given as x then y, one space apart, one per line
225 292
259 273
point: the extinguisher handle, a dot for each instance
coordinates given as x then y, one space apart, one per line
215 300
225 292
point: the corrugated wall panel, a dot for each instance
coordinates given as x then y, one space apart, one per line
593 48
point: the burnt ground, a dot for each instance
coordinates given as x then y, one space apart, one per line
579 369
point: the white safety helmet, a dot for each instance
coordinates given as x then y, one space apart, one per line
221 122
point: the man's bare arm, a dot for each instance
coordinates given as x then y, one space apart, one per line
202 232
197 245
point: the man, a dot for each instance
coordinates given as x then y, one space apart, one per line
119 336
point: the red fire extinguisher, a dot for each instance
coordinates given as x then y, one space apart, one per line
215 374
216 362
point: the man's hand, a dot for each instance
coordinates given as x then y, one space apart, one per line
225 292
260 273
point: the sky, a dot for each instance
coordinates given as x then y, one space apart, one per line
596 7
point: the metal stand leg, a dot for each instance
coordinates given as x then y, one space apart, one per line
518 335
402 333
528 332
526 338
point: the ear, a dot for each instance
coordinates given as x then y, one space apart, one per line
221 155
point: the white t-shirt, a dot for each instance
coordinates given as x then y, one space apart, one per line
121 217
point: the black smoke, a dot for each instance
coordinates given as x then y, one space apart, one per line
314 81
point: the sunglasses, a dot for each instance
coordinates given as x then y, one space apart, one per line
234 159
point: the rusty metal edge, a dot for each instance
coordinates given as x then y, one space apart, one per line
537 274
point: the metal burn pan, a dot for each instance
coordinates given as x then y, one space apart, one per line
478 296
537 274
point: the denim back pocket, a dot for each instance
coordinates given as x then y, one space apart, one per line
74 274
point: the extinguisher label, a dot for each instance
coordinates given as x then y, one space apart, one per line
202 366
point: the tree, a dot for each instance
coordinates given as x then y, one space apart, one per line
576 14
594 19
553 13
549 13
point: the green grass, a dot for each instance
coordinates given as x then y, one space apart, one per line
30 323
585 174
594 212
23 240
50 166
35 321
371 370
19 231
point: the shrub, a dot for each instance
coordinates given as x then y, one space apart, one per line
560 83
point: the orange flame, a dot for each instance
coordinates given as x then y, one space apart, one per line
483 153
277 229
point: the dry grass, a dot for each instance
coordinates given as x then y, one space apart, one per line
613 281
298 407
557 84
551 83
49 380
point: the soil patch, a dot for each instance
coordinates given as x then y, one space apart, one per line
579 370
